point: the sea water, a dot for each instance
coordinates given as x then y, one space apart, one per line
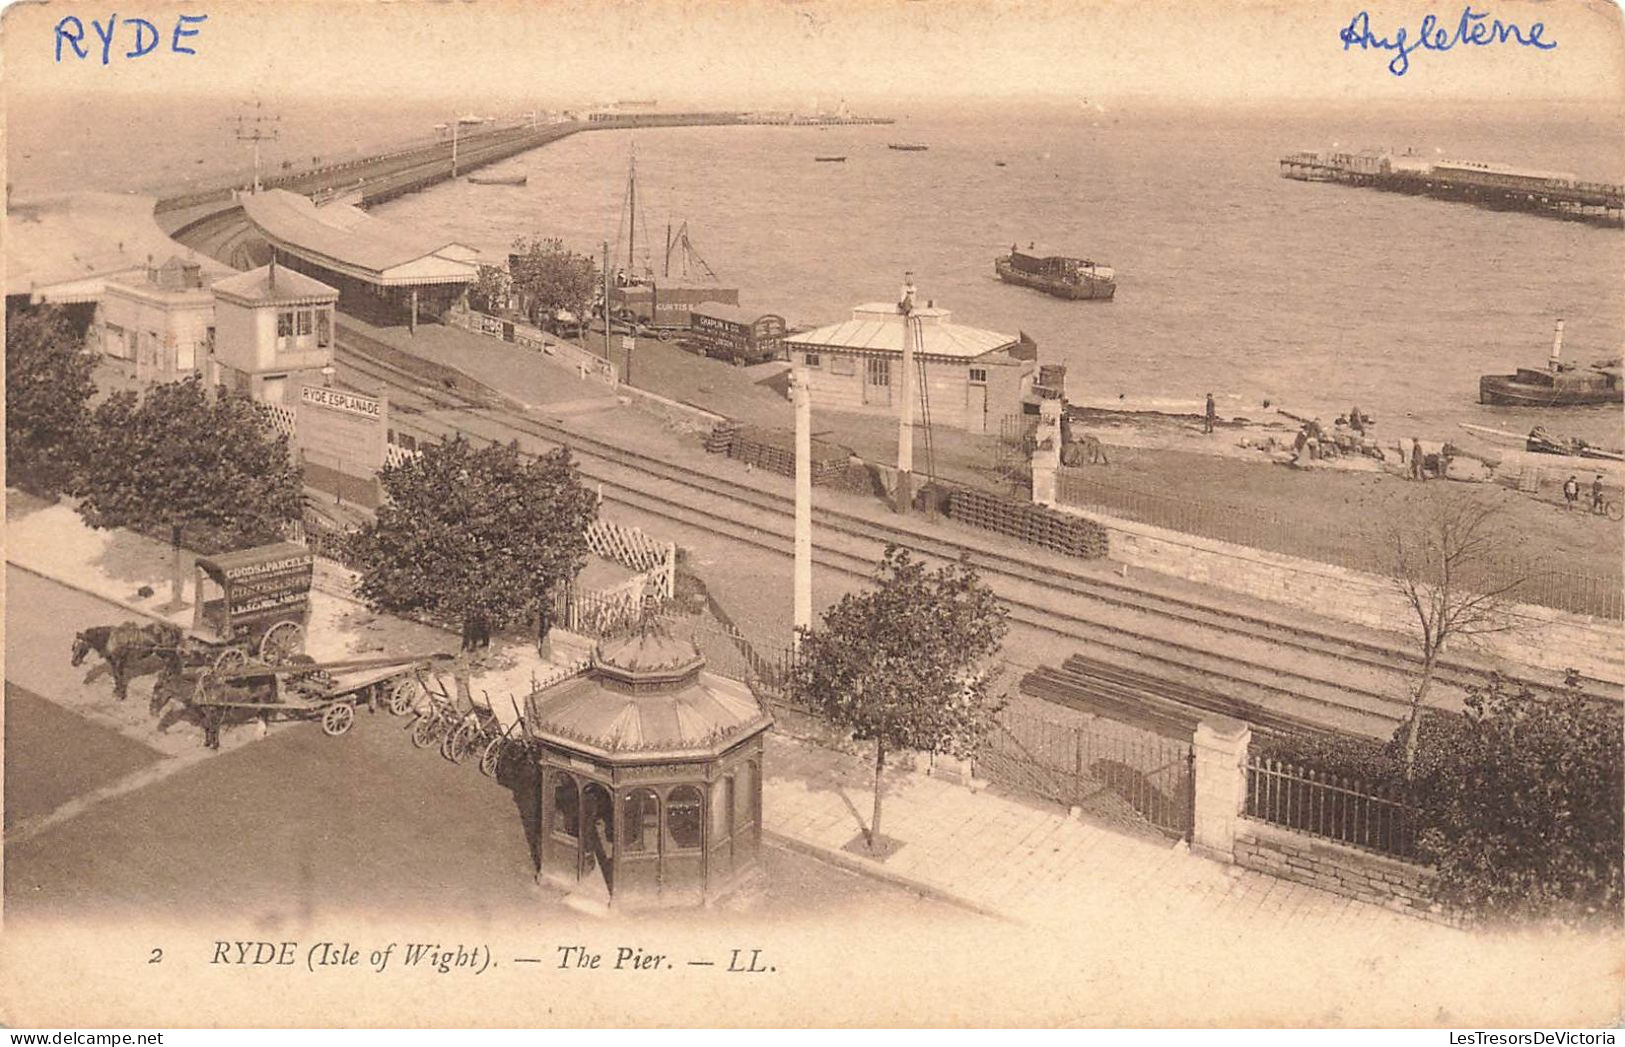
1231 279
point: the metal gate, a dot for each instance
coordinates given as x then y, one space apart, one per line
1113 770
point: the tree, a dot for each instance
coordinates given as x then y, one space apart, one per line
906 664
48 391
493 289
1521 800
548 277
1447 568
482 537
175 458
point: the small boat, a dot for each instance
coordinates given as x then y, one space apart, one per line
998 163
498 179
908 147
830 159
1076 278
1559 385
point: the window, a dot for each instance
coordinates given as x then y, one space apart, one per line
185 356
685 809
641 810
878 371
810 359
284 325
208 339
842 365
566 806
324 328
978 375
305 324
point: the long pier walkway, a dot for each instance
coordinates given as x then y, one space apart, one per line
1599 203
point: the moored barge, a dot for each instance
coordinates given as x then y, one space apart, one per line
1559 385
1076 278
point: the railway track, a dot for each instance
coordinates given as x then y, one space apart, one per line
1135 632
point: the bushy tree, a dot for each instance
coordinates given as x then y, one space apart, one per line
549 277
492 290
176 458
1520 803
483 537
906 664
48 391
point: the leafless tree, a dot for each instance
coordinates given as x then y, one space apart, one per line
1448 565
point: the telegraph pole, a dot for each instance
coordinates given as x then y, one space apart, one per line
802 394
905 416
257 134
455 121
606 301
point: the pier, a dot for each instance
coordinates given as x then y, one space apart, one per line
1493 186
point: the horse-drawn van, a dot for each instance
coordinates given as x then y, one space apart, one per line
254 602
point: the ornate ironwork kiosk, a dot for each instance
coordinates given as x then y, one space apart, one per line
651 776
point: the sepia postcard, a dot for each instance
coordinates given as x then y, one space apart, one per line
857 513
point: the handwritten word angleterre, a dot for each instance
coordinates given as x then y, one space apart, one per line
1476 29
142 35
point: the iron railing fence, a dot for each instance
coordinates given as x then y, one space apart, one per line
1602 596
1110 769
1333 807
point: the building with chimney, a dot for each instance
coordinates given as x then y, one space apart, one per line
273 333
160 319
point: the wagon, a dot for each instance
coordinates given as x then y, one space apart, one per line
300 689
248 604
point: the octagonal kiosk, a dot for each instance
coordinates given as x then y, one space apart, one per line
651 776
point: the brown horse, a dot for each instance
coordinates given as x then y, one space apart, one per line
129 649
185 688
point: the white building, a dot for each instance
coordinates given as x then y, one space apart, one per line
161 319
274 332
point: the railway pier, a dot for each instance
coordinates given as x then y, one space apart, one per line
1493 186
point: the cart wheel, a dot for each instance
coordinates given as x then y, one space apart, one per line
230 659
338 718
405 696
492 757
451 744
424 731
281 642
1616 511
663 335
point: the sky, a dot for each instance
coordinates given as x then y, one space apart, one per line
785 53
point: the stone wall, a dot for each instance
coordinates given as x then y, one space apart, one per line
1367 877
1541 636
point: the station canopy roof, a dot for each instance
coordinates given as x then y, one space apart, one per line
349 241
878 327
64 249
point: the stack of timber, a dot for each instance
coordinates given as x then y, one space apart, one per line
775 450
720 439
1040 525
1101 688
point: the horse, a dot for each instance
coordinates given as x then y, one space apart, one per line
126 648
174 684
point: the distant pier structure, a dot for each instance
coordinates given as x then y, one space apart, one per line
1499 187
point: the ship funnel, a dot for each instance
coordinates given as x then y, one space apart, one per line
1557 344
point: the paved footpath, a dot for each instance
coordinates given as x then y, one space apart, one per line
1122 896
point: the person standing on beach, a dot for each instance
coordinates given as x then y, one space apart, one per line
1571 493
1417 472
1212 413
1596 495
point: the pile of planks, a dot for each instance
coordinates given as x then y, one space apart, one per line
720 439
1040 525
775 450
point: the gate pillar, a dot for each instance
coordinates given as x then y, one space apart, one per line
1220 786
